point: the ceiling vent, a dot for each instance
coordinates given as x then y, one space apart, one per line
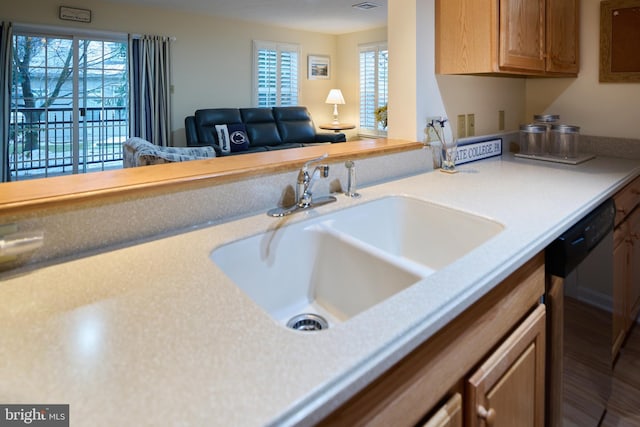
365 5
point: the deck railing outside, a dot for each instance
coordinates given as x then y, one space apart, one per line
40 141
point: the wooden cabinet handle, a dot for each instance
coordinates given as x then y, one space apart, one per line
489 416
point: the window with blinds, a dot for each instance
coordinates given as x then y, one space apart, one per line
275 74
374 60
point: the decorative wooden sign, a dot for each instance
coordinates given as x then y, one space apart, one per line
74 14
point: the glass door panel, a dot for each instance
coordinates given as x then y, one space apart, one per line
69 105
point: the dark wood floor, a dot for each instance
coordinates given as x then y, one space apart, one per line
623 408
586 369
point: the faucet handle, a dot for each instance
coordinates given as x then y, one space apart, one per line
318 159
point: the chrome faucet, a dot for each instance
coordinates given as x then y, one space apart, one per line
304 189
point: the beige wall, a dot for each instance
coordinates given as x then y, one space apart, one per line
212 68
416 93
484 97
404 90
348 79
212 58
602 109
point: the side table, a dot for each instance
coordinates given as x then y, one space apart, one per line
337 127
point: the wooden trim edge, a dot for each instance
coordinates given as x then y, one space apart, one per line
23 196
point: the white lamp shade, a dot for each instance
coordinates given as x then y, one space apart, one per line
335 97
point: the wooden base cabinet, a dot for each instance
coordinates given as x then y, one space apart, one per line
621 269
633 288
503 333
626 258
449 415
523 37
509 388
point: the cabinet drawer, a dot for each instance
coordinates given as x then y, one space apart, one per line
627 199
449 415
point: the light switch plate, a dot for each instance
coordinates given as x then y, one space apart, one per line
471 124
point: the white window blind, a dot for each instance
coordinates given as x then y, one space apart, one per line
275 74
374 60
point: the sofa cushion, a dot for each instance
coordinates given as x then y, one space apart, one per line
232 138
261 127
207 119
294 124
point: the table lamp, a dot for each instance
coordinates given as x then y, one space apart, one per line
335 97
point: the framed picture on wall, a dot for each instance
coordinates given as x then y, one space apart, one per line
319 67
619 36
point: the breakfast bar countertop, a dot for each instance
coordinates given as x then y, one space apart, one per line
155 334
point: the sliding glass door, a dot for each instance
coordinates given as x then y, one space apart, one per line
68 105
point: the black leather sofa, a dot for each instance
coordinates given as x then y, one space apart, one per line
267 129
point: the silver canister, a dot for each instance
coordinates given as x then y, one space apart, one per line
546 120
564 141
532 139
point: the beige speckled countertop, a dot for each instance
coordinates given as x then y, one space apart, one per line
155 334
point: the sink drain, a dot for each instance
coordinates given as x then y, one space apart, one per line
307 322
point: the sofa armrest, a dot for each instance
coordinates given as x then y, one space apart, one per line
190 131
331 137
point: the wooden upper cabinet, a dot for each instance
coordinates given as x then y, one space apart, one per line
563 35
522 37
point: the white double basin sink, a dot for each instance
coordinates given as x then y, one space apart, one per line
342 263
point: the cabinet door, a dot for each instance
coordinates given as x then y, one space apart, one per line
449 415
522 35
508 389
634 266
563 23
466 34
621 251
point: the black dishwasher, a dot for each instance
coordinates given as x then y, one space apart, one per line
579 300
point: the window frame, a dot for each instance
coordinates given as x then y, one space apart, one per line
72 127
279 48
377 48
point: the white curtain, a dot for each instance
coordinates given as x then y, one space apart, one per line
149 83
6 32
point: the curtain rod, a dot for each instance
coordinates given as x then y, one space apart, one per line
71 31
139 36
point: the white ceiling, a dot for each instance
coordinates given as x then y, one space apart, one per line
325 16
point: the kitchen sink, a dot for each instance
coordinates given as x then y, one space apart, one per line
342 263
427 233
305 270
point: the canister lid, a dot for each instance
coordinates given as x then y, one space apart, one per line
565 129
531 128
546 118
